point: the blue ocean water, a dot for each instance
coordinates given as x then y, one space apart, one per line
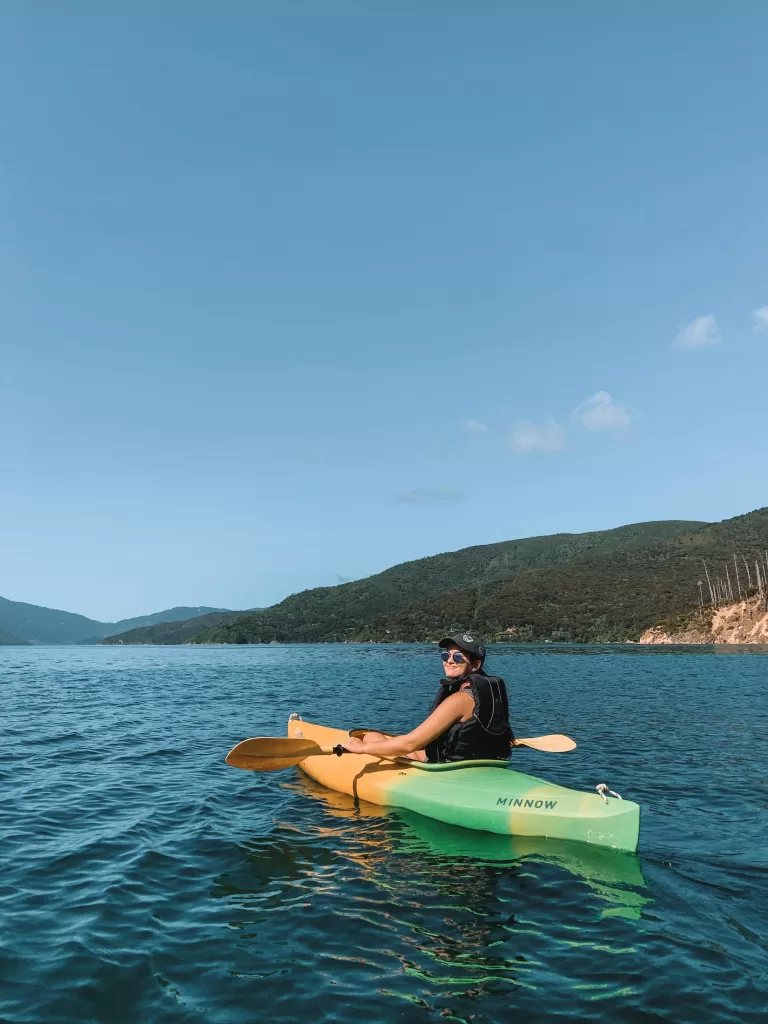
144 880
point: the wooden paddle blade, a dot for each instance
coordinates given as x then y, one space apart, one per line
261 764
277 746
271 753
555 743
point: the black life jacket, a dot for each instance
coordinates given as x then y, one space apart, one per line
487 734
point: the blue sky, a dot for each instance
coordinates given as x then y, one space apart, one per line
292 292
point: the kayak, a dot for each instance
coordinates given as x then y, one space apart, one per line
488 796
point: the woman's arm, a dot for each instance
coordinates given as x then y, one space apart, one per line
453 709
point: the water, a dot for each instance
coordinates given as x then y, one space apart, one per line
144 880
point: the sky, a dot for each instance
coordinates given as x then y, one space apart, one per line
293 292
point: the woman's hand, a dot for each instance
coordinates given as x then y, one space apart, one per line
354 745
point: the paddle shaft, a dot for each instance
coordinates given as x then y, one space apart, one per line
554 743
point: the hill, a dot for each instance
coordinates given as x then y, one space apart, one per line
9 640
40 625
36 624
172 632
182 613
416 600
178 614
597 596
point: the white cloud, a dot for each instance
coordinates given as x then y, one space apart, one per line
700 332
760 320
475 426
601 412
526 437
431 496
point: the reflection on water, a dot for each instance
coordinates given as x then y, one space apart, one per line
612 875
431 915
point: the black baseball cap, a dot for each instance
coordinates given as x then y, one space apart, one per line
468 642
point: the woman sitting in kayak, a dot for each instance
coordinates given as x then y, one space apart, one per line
469 719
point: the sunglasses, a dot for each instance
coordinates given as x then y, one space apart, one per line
455 657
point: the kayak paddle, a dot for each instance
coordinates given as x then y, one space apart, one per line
270 753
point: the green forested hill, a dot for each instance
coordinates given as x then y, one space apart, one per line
578 584
178 614
597 596
181 613
172 632
591 587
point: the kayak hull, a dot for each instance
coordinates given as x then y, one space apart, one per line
487 796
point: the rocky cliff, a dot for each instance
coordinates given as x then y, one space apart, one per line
744 622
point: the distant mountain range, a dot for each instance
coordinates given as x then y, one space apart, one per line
609 585
22 623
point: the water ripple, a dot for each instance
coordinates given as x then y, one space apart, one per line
142 879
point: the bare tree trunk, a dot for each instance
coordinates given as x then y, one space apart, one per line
730 588
736 570
749 578
709 584
762 585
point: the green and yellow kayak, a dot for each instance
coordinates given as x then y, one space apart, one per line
484 795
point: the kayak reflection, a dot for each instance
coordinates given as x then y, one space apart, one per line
612 875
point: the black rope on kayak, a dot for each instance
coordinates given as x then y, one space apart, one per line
602 789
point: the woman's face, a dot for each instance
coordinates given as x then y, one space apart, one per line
456 669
